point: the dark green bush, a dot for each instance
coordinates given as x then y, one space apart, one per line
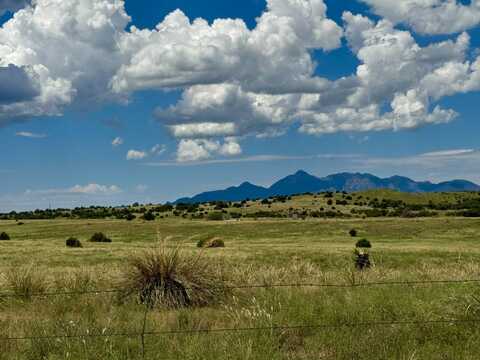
364 243
73 243
4 236
100 238
148 216
201 243
353 233
130 217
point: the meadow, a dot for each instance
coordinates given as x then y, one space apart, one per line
383 321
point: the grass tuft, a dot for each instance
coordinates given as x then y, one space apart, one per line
25 281
171 278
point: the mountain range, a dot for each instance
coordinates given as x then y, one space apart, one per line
303 182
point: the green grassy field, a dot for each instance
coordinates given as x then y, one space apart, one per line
260 252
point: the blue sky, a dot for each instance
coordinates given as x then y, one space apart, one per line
57 128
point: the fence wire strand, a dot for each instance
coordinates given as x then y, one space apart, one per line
255 286
187 332
249 329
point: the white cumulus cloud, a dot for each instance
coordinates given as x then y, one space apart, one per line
429 16
84 32
92 189
136 155
89 189
201 149
273 57
238 81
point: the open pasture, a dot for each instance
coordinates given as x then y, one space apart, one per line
257 252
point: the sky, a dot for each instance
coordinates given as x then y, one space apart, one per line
109 102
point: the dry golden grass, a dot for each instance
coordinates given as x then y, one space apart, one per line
258 252
172 278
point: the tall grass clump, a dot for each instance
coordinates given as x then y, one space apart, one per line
25 281
171 278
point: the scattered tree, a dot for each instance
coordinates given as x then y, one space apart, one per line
148 216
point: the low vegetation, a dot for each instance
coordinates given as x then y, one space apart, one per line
366 204
25 282
194 296
171 278
100 237
73 243
364 244
362 257
211 243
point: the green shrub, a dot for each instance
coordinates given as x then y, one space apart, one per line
130 217
4 236
73 243
100 238
353 233
364 243
173 279
201 243
148 216
215 216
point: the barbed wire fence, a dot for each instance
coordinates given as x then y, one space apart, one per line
143 333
